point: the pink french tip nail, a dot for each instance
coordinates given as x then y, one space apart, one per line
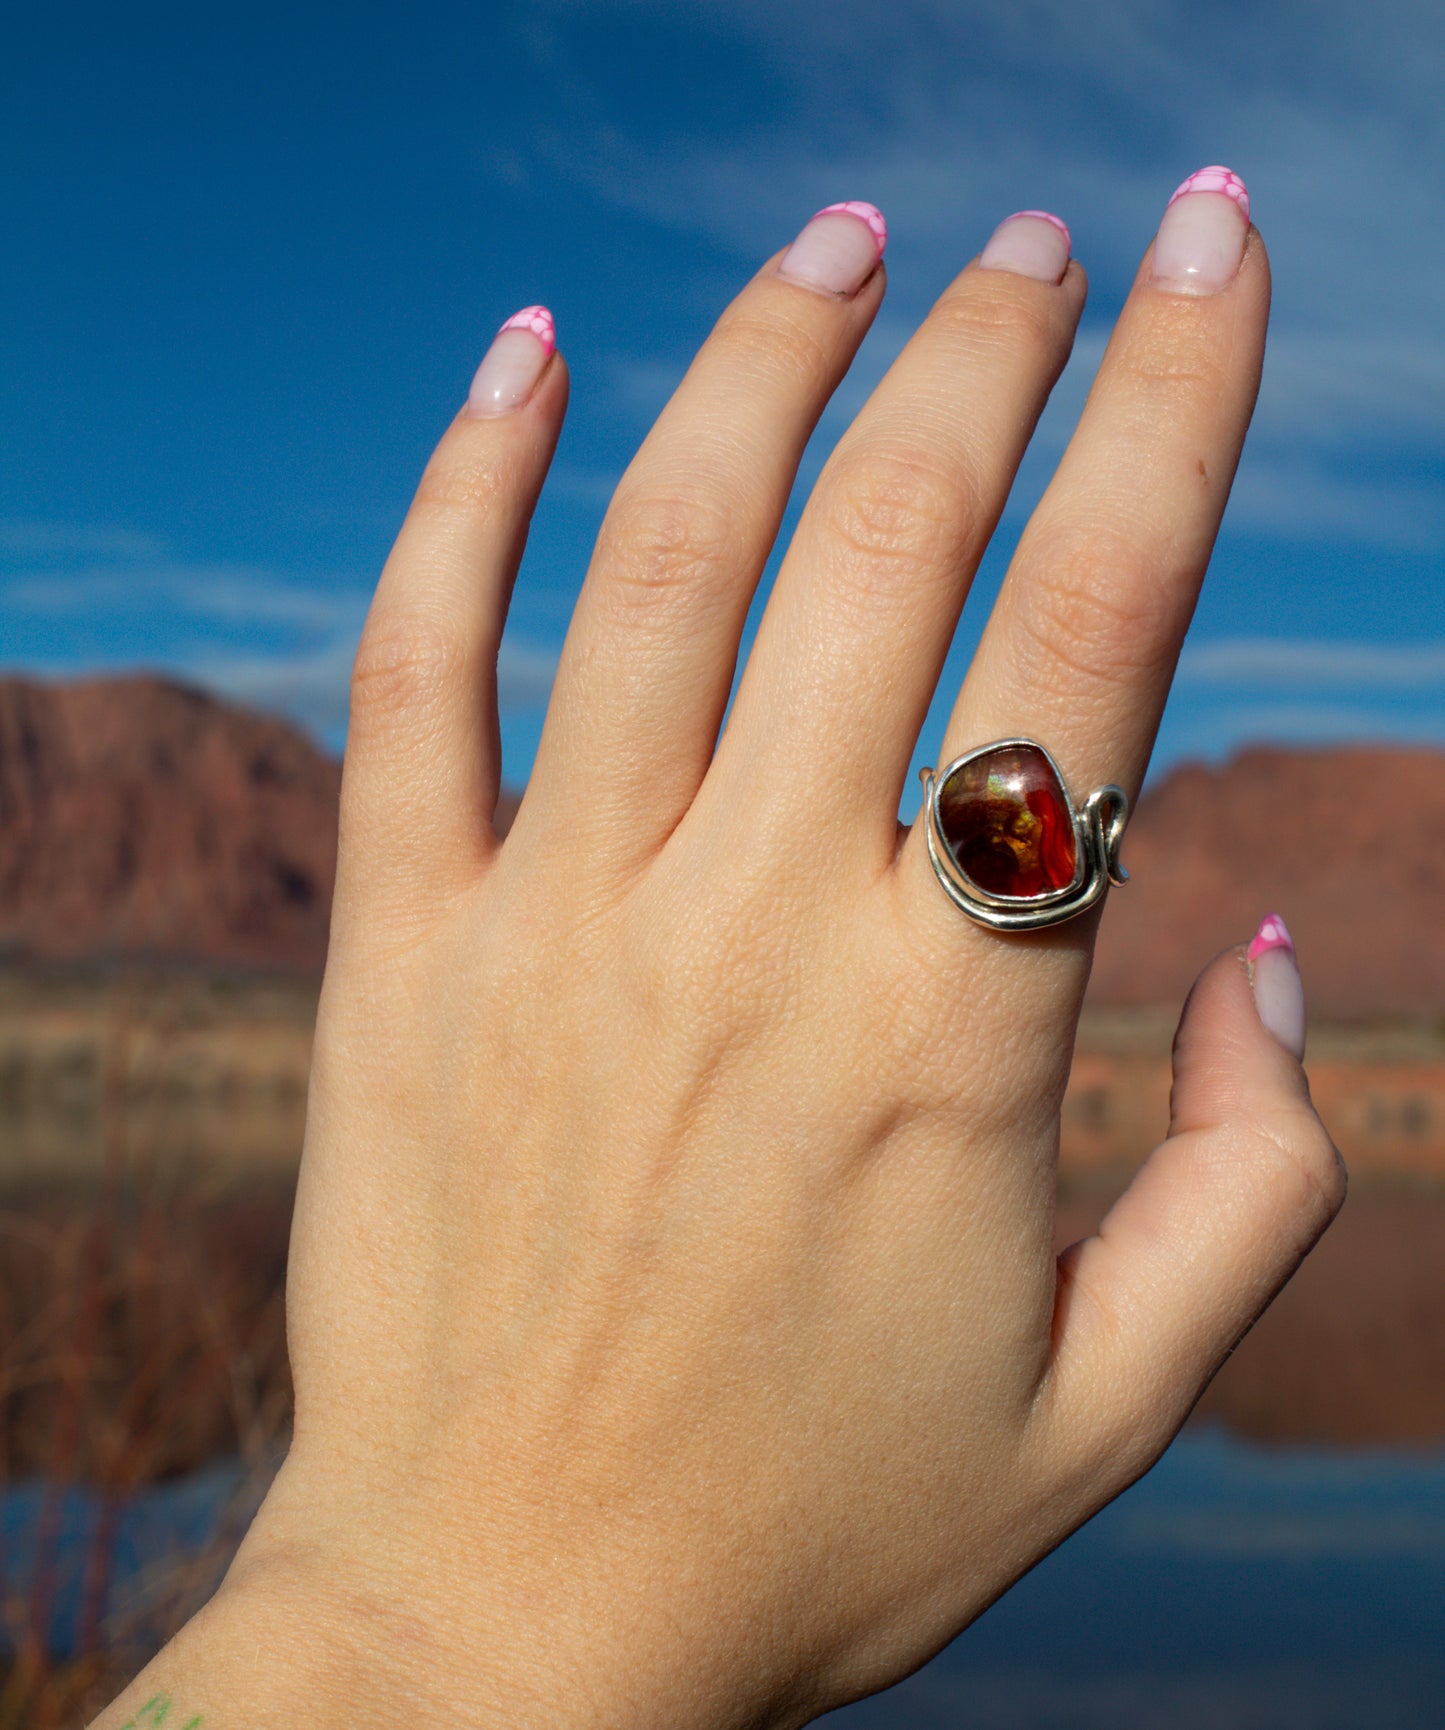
869 214
1216 179
1032 243
539 321
1200 243
838 250
513 364
1273 933
1274 978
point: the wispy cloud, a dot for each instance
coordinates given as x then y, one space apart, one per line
236 594
1216 729
303 667
951 114
1275 662
1325 722
312 686
1384 383
29 540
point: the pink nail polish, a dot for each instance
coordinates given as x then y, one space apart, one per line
1273 933
1032 243
1216 179
512 365
839 249
1200 242
1275 979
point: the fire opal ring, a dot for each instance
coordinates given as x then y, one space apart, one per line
1007 843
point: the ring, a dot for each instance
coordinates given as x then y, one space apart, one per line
1008 844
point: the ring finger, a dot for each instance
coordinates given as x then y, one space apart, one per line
1081 646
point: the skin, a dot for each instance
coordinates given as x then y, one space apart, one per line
677 1333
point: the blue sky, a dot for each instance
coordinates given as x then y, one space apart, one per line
252 256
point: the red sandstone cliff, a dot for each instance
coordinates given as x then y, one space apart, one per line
1348 844
138 817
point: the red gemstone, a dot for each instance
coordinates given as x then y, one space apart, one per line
1005 818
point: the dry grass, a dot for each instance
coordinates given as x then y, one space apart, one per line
142 1336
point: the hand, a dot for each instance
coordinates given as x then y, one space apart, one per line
677 1332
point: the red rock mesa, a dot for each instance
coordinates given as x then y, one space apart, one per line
142 818
1348 844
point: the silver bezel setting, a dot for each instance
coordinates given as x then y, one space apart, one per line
1098 831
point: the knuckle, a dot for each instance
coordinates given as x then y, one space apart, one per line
403 662
893 509
1168 362
455 480
658 542
989 307
1310 1165
775 347
1095 608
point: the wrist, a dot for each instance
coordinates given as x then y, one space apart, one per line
306 1630
270 1647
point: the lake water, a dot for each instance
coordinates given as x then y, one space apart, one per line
1234 1588
1231 1589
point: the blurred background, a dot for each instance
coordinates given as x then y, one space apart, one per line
251 258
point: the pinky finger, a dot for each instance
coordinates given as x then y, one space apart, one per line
423 755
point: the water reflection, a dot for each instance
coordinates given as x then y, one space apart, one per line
1233 1586
1284 1566
1352 1351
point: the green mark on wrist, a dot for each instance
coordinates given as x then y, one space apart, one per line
154 1714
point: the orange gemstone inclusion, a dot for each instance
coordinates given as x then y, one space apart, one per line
1005 819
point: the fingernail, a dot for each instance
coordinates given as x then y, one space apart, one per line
1201 239
1029 243
512 365
839 249
1278 994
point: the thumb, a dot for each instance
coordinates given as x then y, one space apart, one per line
1214 1223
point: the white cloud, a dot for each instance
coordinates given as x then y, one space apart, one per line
586 486
1214 732
525 672
306 673
642 384
41 540
239 595
1300 662
950 114
1281 495
312 686
1380 382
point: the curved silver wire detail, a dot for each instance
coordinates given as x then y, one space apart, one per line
1098 832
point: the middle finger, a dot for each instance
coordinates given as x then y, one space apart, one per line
853 640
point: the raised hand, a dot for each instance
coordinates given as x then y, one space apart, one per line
677 1331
